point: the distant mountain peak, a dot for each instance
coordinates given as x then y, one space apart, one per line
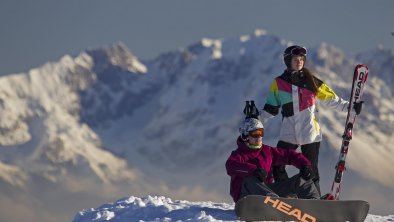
117 55
260 32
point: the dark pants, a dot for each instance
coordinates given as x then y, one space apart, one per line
310 151
304 189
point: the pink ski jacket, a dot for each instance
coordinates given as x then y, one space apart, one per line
244 161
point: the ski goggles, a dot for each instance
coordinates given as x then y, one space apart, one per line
257 133
297 51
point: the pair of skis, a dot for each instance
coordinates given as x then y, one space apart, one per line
256 207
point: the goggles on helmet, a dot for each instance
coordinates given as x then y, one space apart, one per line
257 133
297 51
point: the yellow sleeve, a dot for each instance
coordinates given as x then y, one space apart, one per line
328 97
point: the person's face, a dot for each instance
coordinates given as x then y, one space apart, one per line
297 63
256 137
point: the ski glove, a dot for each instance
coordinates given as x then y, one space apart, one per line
357 107
261 174
306 172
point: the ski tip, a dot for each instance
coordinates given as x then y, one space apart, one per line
362 65
362 68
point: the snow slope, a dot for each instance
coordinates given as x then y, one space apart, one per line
159 208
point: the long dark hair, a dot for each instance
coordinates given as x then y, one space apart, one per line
311 80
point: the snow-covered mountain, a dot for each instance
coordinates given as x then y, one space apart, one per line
104 124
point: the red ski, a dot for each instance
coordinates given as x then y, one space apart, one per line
359 79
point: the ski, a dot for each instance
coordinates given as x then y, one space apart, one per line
359 79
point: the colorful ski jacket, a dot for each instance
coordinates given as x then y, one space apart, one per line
244 161
294 95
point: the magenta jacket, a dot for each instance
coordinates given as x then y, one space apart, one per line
244 161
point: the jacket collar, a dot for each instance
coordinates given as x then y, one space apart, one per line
291 72
244 148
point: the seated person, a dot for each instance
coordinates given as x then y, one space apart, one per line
249 167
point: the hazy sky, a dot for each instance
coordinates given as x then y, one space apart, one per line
34 32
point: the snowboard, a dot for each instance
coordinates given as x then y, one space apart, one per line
265 208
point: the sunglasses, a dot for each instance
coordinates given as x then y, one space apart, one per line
257 133
297 51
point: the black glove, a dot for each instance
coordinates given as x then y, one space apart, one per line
306 172
261 174
358 106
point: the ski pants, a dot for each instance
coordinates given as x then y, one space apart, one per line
303 189
310 151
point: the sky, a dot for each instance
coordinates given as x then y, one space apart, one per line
36 32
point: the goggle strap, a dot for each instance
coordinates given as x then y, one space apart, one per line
302 52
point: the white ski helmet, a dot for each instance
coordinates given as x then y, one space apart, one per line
249 125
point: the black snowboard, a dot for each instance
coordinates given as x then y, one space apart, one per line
262 208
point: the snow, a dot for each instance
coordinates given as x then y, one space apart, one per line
119 55
216 45
260 32
13 175
160 208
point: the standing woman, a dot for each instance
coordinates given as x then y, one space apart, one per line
296 92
